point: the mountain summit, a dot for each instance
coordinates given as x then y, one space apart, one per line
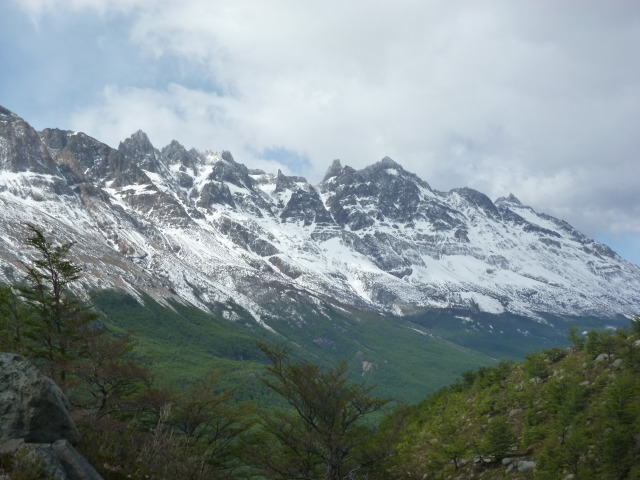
201 228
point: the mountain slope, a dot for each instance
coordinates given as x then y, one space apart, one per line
379 238
561 414
201 229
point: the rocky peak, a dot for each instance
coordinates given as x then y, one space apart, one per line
223 181
333 171
383 191
5 114
228 170
21 149
54 138
141 139
304 203
510 199
414 243
284 182
389 170
478 200
187 162
384 164
173 150
86 159
138 148
226 156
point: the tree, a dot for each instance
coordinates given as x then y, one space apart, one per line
58 320
498 438
323 435
448 424
535 366
599 341
12 321
573 448
566 398
107 379
573 335
212 423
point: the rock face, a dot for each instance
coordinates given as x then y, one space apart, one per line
35 423
32 406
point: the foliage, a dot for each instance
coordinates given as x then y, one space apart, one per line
194 433
498 438
322 436
108 378
535 366
209 421
56 322
573 411
13 322
576 340
185 342
598 342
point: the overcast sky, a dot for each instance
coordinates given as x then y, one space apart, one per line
536 98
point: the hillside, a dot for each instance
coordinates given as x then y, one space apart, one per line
561 414
183 343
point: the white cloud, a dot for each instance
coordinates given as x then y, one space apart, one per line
194 118
538 98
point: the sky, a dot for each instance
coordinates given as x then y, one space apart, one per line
539 98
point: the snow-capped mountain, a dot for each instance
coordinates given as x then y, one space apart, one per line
203 228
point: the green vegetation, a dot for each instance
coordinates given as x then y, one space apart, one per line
133 427
504 336
42 319
573 411
321 434
184 342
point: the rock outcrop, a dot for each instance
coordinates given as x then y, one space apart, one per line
36 427
32 406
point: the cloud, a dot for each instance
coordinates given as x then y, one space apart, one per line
194 118
538 98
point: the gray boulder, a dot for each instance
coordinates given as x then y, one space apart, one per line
75 465
32 406
526 465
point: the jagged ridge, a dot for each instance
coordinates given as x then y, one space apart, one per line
203 228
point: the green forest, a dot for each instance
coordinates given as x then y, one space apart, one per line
267 412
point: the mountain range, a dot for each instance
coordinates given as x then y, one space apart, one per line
200 228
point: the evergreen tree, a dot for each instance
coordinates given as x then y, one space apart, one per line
58 320
498 438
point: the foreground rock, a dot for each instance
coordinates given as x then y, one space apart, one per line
32 406
36 428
